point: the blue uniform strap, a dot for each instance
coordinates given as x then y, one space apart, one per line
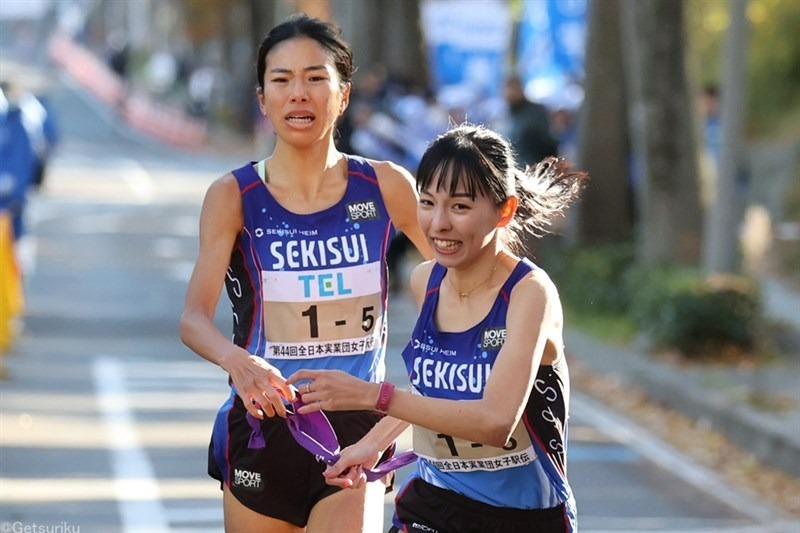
246 177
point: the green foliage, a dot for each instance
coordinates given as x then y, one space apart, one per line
611 328
590 279
773 57
708 317
650 287
774 61
606 293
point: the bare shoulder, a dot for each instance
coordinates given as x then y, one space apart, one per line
222 204
224 186
391 176
422 271
388 169
400 196
536 285
419 279
223 193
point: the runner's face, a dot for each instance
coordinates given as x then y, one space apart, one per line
302 95
458 228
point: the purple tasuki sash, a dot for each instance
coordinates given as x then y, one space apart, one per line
313 431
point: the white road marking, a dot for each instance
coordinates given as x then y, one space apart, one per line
183 515
167 248
138 180
181 271
135 486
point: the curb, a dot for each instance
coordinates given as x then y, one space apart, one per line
772 441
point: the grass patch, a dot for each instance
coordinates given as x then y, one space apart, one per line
610 328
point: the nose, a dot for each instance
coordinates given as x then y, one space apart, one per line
298 90
440 220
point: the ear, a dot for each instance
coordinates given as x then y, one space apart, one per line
507 211
345 99
262 104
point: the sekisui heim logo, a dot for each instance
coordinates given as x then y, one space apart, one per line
245 479
366 210
493 338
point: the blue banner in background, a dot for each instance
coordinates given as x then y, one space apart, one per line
468 45
551 51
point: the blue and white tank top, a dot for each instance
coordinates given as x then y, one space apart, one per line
530 471
309 291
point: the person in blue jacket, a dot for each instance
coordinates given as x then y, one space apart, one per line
489 394
17 159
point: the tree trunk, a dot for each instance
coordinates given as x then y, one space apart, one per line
720 250
385 32
605 213
665 167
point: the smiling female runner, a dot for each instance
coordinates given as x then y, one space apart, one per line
300 240
489 382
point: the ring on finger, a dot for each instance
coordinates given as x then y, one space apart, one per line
308 387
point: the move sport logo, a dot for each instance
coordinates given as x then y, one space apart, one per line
493 338
365 210
245 479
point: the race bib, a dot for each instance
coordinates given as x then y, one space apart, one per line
452 454
322 313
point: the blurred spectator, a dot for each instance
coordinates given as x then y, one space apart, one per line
528 125
119 58
39 121
565 132
161 72
119 54
712 147
17 158
201 89
712 134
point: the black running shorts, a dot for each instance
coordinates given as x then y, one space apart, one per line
281 480
425 508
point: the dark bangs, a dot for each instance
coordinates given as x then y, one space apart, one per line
454 161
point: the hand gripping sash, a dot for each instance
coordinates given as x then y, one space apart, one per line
313 431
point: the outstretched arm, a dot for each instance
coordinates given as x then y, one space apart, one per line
490 420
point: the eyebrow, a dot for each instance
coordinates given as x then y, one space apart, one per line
456 195
283 70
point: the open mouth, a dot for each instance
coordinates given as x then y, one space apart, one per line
446 245
300 119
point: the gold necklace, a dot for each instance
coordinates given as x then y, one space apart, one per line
468 293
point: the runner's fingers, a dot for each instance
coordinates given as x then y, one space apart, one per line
269 409
284 388
311 405
274 403
302 375
335 470
253 407
359 477
351 478
340 482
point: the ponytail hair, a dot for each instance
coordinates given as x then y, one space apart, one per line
544 191
483 162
